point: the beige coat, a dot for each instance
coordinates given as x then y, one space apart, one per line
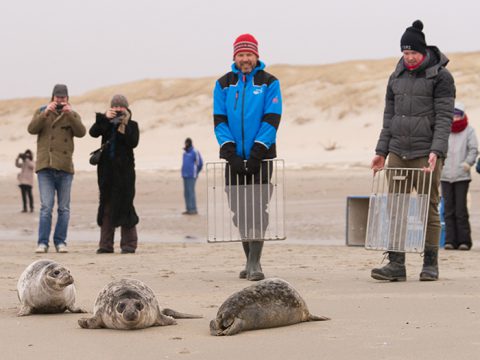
55 138
25 176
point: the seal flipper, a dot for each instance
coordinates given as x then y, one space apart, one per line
163 320
25 310
317 318
94 322
75 310
236 327
177 315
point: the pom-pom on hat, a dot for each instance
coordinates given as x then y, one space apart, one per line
245 43
414 39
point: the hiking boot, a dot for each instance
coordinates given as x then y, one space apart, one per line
394 270
104 251
449 246
463 247
128 251
61 248
41 248
430 264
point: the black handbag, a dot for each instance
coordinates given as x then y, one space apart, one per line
95 155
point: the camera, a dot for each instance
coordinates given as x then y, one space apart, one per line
59 107
118 113
22 156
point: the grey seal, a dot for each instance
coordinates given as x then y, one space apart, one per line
46 287
129 304
269 303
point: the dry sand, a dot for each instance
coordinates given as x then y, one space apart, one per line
370 319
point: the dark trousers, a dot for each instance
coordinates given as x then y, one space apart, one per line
457 225
128 236
26 194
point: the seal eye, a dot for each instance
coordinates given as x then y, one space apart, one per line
139 306
120 307
56 273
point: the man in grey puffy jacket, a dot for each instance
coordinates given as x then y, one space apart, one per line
418 114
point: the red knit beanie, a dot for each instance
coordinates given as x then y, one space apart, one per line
245 43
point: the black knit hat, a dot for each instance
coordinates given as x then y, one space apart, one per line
414 39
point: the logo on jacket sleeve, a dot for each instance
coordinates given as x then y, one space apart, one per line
275 100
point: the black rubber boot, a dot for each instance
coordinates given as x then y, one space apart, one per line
254 269
246 250
394 270
430 264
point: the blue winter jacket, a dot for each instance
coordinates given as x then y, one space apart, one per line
247 110
192 163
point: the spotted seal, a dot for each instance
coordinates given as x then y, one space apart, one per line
269 303
46 287
129 304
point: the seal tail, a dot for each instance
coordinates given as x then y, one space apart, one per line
178 315
317 318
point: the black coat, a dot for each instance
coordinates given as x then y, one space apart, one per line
116 171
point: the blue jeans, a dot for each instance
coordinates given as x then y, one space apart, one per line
189 193
49 182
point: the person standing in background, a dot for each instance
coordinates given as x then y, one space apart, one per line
191 166
116 176
24 161
455 180
55 125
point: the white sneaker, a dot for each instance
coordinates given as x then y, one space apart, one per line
41 248
61 248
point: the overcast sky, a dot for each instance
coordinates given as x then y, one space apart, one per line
92 43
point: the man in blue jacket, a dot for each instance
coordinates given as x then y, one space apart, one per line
191 166
247 107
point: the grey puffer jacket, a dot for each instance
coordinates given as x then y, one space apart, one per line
418 109
462 148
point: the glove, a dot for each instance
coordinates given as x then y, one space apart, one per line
254 163
237 165
465 167
228 152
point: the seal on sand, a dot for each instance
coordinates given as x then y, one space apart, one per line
129 304
46 287
268 303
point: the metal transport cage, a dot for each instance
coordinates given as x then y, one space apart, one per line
398 210
245 207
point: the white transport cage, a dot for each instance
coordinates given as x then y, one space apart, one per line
245 207
398 210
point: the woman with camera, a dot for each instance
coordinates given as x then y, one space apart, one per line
24 161
116 176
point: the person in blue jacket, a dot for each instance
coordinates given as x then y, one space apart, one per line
191 166
247 107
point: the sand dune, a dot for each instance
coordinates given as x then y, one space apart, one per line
332 114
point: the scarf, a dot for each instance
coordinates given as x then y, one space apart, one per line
123 123
460 125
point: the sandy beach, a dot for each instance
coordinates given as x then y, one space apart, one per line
329 129
370 319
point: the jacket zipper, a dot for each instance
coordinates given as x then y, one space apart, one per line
236 101
243 112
